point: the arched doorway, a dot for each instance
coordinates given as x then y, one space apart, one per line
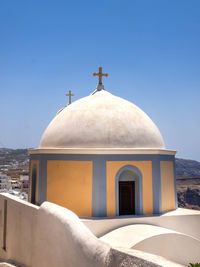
129 191
33 185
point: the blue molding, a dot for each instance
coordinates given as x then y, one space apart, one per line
99 204
156 183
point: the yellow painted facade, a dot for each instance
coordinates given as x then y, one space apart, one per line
145 167
37 164
69 184
167 185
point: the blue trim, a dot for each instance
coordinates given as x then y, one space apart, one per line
138 188
42 181
156 183
99 207
175 189
41 177
106 157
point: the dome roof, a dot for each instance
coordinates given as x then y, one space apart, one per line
102 120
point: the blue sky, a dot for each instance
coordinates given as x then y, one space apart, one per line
150 48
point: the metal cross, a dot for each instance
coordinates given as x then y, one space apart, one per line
100 75
70 95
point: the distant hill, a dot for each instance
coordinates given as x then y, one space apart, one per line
188 183
13 154
187 168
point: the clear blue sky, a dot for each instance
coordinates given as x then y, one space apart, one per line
150 48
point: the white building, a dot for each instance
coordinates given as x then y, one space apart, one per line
5 182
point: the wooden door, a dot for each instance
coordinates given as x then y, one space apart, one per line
126 198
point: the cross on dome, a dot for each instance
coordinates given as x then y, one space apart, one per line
70 95
100 74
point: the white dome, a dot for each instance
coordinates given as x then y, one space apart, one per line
102 120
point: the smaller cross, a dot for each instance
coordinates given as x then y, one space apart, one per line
70 95
100 75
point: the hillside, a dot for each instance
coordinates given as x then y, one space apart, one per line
187 168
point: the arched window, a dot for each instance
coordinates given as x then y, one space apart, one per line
33 184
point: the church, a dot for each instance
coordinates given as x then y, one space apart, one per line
103 156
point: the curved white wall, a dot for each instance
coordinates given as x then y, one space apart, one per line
181 220
60 230
173 246
156 240
47 236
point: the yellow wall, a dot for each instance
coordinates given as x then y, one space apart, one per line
32 163
69 184
167 185
145 168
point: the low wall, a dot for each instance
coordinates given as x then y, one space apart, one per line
46 236
18 221
51 235
174 246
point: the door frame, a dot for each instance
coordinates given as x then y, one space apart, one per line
137 177
132 200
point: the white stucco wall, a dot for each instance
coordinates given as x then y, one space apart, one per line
61 232
172 245
51 235
20 229
48 236
181 220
